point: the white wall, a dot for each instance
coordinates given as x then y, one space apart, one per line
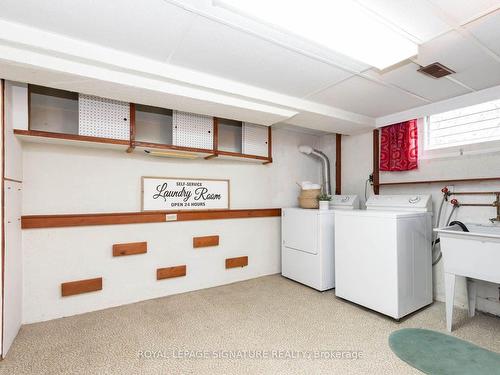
65 179
357 165
54 256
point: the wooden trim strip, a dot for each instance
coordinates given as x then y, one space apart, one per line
172 147
338 164
205 241
75 220
376 170
131 248
55 221
228 214
2 213
236 262
246 156
216 135
50 91
479 179
132 128
269 145
12 180
81 286
170 272
71 137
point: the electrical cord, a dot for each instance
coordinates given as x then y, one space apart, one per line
435 239
366 185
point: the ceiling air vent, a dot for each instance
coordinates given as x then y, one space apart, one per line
436 70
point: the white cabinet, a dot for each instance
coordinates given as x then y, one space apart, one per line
16 117
101 117
254 139
192 130
13 265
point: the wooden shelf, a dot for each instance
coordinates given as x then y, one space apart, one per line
54 118
75 220
158 146
243 156
59 138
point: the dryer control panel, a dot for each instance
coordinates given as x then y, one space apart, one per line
346 202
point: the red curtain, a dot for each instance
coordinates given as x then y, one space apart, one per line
399 147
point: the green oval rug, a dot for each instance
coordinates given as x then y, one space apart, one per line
436 353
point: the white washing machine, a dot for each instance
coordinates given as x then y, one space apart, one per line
307 250
383 254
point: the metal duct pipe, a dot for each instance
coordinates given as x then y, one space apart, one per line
325 166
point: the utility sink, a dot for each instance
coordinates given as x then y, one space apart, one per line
474 255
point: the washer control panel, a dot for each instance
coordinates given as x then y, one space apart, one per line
417 202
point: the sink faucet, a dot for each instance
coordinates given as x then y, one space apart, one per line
496 204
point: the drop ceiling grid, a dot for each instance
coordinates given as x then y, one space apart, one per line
415 18
223 51
303 76
475 68
361 95
151 29
462 12
406 77
487 31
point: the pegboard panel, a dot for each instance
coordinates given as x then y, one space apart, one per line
254 138
101 117
192 130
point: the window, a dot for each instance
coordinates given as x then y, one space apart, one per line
465 126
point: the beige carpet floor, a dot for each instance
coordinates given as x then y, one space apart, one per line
270 317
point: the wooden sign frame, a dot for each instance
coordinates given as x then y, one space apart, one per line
228 192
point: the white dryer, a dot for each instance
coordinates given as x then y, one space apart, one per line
307 250
383 254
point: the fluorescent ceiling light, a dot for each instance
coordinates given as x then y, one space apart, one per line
172 154
340 25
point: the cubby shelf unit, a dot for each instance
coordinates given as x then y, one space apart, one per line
63 117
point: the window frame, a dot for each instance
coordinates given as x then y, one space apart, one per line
456 149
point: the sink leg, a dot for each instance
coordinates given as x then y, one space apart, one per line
471 296
449 282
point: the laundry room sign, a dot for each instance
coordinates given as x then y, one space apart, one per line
171 193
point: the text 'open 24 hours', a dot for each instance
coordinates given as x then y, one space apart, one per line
165 193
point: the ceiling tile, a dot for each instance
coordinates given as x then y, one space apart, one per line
363 96
465 10
326 124
408 78
487 31
474 67
417 18
152 29
481 76
453 50
218 49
